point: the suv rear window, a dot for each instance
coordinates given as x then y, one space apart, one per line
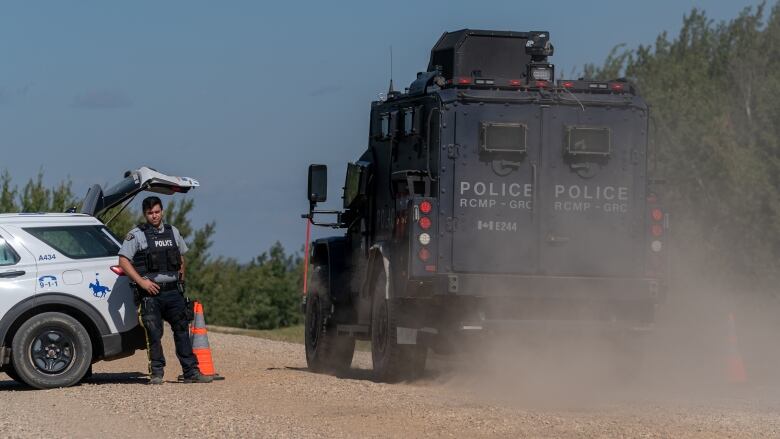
77 242
7 255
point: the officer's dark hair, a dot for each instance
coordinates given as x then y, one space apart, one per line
150 202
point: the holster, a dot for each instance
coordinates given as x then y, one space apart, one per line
189 309
136 293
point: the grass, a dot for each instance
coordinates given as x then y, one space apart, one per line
290 334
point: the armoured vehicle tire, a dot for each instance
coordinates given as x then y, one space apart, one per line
51 350
417 364
11 372
325 351
392 362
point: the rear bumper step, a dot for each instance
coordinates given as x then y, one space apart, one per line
352 330
555 326
552 287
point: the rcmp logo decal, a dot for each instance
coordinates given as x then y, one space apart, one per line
98 290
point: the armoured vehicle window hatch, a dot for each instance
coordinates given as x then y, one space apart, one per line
507 137
586 140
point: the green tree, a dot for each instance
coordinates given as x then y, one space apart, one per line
35 196
8 194
713 91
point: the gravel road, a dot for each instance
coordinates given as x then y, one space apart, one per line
269 393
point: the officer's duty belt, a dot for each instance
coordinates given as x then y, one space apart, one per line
165 286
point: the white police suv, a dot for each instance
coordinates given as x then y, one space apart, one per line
64 301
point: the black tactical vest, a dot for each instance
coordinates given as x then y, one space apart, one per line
161 254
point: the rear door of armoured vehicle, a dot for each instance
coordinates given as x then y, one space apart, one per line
494 163
590 182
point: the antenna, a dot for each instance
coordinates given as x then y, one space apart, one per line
390 90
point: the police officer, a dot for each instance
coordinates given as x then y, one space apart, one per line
151 256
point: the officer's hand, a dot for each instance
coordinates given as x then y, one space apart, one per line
150 287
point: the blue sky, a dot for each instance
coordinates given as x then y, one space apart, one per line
242 95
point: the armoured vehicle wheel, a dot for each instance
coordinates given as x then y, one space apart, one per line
392 362
325 351
419 358
51 350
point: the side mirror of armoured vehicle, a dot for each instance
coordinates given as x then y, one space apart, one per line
318 184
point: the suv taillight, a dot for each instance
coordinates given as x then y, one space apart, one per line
118 270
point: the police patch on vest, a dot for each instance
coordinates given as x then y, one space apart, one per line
160 255
129 237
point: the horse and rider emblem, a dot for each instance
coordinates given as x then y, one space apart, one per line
98 290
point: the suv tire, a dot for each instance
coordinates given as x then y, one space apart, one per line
11 372
51 350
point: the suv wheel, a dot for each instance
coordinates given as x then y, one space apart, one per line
51 350
11 372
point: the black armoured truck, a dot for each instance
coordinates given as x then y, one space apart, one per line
490 195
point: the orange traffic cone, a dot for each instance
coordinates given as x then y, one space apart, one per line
200 342
735 366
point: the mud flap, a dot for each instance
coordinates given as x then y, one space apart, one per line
406 336
412 336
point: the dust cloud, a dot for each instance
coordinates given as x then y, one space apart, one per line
706 333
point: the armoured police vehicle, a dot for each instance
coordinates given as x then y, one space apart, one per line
65 302
490 195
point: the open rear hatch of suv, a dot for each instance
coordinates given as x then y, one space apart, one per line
98 201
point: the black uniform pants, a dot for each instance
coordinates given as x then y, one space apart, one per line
170 306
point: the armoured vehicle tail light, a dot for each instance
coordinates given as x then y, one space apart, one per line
617 86
656 230
515 82
656 246
567 84
656 214
118 270
421 237
652 198
542 84
464 80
